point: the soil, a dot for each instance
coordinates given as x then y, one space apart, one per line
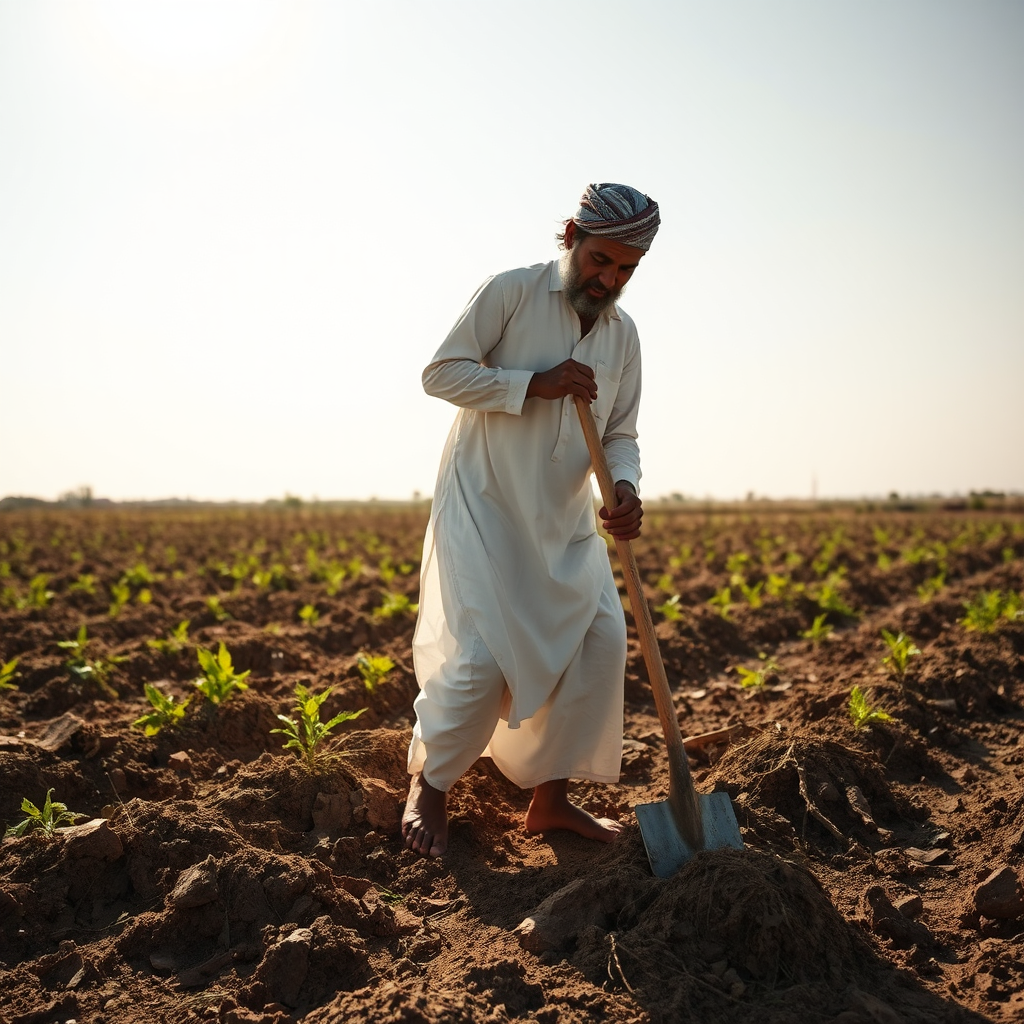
215 876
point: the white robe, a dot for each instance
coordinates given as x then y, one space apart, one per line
512 553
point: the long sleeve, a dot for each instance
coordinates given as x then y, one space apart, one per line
459 373
619 439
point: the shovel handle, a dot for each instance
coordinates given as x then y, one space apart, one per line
682 794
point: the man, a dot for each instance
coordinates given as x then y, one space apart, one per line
520 644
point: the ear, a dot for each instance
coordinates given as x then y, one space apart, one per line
570 234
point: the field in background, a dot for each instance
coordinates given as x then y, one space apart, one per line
222 879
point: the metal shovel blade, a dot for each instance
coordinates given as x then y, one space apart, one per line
667 850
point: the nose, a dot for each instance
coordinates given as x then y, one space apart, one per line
607 277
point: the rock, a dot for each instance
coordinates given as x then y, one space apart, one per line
118 780
331 812
196 886
285 965
382 805
885 920
871 1007
59 732
92 839
910 906
561 917
1000 895
180 762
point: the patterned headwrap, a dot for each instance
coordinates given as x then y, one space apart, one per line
619 212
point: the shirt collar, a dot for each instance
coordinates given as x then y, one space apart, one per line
555 285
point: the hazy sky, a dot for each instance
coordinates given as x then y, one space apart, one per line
232 234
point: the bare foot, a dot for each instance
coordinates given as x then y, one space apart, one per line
551 808
425 821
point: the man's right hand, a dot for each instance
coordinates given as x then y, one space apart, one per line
568 378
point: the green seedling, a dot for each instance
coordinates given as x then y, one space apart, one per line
38 595
884 561
677 562
386 570
394 604
776 585
830 600
736 562
140 576
861 713
86 583
49 817
752 594
306 732
8 670
671 609
334 576
723 601
166 711
986 608
665 584
92 673
374 669
216 609
219 679
819 630
309 615
120 595
176 639
931 586
1009 554
901 650
793 559
751 678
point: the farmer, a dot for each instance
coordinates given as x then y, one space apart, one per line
520 645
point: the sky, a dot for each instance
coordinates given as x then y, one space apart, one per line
233 234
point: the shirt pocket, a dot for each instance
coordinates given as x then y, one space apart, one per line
608 378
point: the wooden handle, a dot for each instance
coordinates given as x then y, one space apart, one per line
682 795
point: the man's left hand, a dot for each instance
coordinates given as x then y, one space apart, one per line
623 521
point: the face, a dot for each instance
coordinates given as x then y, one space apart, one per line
595 271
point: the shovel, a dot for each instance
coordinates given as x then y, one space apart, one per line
673 830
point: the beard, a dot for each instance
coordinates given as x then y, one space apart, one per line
586 305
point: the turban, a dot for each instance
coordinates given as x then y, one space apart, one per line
620 213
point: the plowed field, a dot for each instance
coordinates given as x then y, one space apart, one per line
214 876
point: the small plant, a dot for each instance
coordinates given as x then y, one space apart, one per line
120 595
752 594
7 673
986 608
309 615
306 732
901 650
819 630
931 586
751 678
176 639
861 713
670 609
374 669
665 584
723 601
386 569
92 673
86 583
216 609
393 604
166 711
830 600
38 595
219 679
776 584
48 818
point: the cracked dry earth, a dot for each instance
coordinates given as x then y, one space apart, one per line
212 877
